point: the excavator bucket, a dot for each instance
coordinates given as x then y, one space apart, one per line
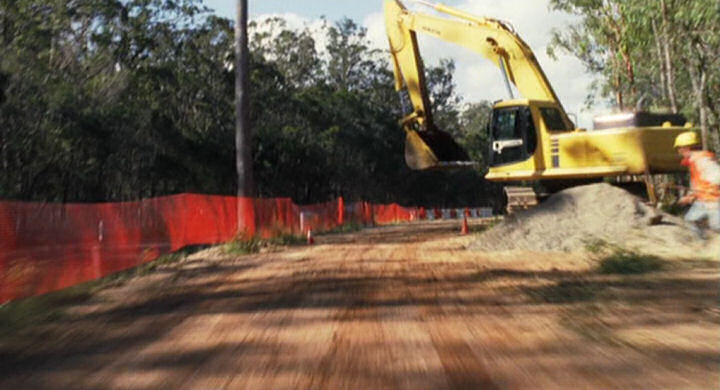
434 150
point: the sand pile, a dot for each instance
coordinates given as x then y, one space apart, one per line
571 219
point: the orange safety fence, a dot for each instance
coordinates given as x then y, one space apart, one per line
45 247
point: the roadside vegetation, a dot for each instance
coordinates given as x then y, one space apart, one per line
661 55
16 315
257 245
616 278
617 260
136 100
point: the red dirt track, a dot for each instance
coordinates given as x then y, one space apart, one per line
403 307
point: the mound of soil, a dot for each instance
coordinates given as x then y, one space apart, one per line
573 219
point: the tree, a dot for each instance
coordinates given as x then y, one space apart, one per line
292 52
351 62
121 100
676 42
475 137
602 40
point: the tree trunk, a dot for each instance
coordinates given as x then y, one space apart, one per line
619 46
661 61
670 72
704 126
698 78
618 92
713 122
617 75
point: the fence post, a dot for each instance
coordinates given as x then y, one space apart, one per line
246 217
341 211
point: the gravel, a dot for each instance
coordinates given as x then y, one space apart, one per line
571 220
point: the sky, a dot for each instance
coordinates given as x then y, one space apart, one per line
476 78
312 9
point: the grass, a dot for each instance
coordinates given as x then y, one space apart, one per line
243 247
596 245
610 260
255 245
481 228
615 260
19 314
588 298
626 262
345 228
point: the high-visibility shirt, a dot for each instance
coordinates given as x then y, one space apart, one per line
704 176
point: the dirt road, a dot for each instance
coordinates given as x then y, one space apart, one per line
403 307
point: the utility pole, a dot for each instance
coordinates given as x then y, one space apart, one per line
243 132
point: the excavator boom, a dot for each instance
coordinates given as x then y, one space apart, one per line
531 137
491 38
427 146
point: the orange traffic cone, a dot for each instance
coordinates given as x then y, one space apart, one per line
465 230
310 239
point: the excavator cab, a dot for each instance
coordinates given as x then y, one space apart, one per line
513 137
532 137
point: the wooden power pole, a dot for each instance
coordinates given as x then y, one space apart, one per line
243 132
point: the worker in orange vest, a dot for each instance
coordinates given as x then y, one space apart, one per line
704 182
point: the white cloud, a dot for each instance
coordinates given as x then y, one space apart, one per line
477 79
375 24
296 22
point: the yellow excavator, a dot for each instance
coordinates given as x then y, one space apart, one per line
531 137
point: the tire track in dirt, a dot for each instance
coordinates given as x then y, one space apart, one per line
464 369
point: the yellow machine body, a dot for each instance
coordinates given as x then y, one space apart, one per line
582 154
532 137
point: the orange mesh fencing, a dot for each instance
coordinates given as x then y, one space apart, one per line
46 247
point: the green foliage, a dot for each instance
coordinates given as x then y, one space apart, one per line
346 228
103 99
255 245
16 315
287 240
614 259
597 246
663 55
624 261
473 132
243 247
122 100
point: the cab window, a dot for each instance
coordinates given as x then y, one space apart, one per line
553 119
512 123
504 127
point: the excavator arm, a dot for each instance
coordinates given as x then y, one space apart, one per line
531 138
426 146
